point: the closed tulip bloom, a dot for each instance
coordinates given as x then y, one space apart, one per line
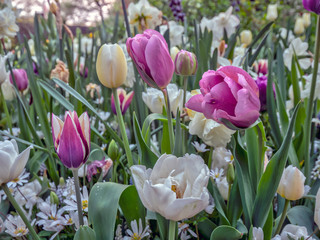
12 163
173 52
71 138
299 26
20 75
272 12
149 51
312 5
261 67
186 63
111 65
306 19
3 71
291 185
229 93
176 188
246 37
124 99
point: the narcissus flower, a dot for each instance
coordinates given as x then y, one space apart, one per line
12 163
176 188
72 138
124 99
111 65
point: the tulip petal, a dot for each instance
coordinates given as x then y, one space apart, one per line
126 102
84 121
209 79
71 149
19 163
195 103
5 163
56 126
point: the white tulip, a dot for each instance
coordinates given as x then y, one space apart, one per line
176 188
272 12
299 26
293 232
257 234
3 72
317 209
8 90
246 37
12 163
306 19
223 187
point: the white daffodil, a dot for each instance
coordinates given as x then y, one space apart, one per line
85 44
175 33
8 26
137 231
176 188
12 163
305 93
285 35
300 49
212 133
144 16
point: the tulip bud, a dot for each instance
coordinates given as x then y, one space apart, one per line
54 198
306 19
272 12
186 63
111 65
246 37
299 26
21 78
312 5
222 48
124 99
113 150
61 181
291 186
173 53
262 67
230 174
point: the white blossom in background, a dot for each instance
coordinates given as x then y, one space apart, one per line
137 231
225 21
300 49
305 93
200 147
293 232
71 204
223 187
3 72
221 157
217 174
175 33
28 195
20 180
8 26
284 34
272 12
184 231
15 226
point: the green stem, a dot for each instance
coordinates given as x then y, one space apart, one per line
210 158
122 127
170 126
283 216
184 132
308 123
185 85
20 211
79 201
172 230
5 108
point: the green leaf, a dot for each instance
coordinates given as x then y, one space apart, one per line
35 162
268 226
206 227
275 167
301 216
103 207
225 233
257 51
281 76
85 233
234 205
178 144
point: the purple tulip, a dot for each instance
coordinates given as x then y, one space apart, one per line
229 93
312 5
72 138
185 63
149 51
21 78
124 99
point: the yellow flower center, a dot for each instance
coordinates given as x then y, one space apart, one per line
15 180
176 190
84 204
53 218
21 230
135 237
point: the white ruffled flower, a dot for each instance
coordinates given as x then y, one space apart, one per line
300 49
3 72
8 26
212 133
175 33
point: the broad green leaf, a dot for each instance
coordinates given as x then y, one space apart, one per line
35 162
85 233
281 77
206 227
103 207
163 225
225 233
268 226
301 216
274 169
234 207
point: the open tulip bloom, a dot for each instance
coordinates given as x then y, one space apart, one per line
72 138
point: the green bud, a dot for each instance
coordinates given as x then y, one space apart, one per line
61 181
85 233
113 150
230 173
54 198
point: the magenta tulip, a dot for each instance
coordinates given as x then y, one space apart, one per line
124 99
72 138
229 93
149 51
312 5
21 78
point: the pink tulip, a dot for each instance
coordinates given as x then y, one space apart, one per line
261 67
21 78
72 138
92 168
185 63
124 99
229 93
149 51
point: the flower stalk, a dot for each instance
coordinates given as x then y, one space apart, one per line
122 127
283 216
170 126
5 108
308 122
172 230
79 201
20 212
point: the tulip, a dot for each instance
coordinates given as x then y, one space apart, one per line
312 5
72 138
317 209
229 93
262 67
92 168
306 19
272 12
3 72
257 234
21 78
176 188
262 82
186 63
125 100
111 65
173 53
299 26
12 163
60 71
291 186
149 52
246 37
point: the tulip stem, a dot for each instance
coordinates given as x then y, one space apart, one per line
170 126
5 108
172 230
79 201
122 127
308 122
283 216
185 85
20 212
